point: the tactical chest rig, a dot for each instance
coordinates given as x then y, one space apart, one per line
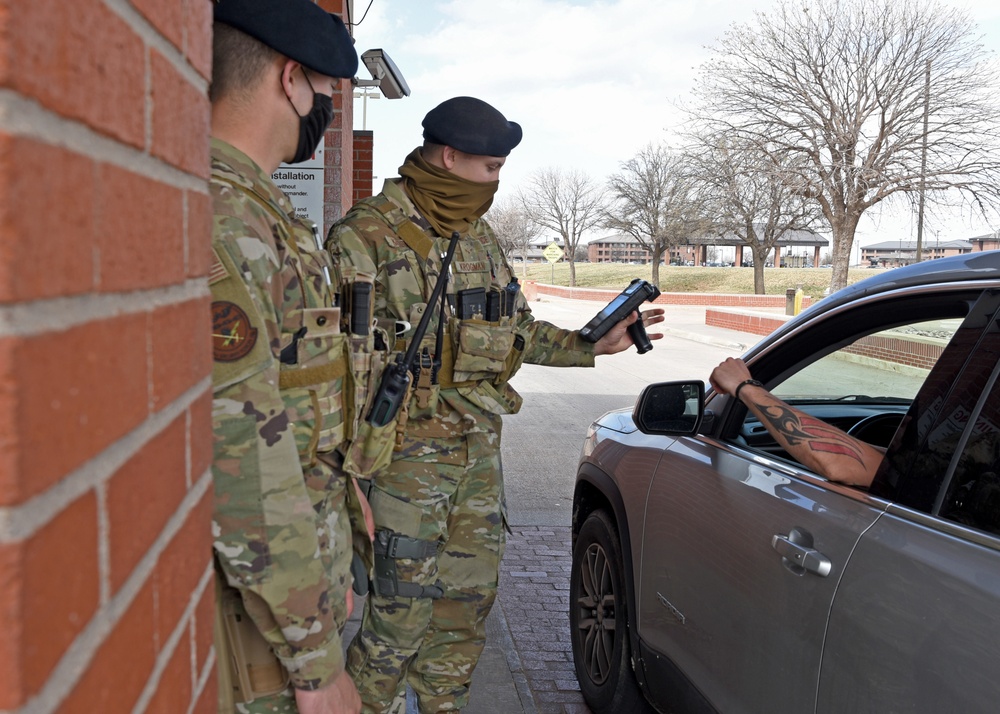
482 346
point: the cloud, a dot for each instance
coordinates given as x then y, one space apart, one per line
591 82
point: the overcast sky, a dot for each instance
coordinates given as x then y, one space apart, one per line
590 81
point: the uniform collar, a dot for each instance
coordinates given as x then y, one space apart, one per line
232 165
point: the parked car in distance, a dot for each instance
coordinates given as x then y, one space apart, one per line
714 573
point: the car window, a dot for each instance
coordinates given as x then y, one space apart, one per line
948 421
889 365
973 496
866 369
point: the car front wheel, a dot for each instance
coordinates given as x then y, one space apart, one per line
599 621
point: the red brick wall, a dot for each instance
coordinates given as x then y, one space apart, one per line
914 353
364 167
105 394
899 350
338 193
105 410
754 324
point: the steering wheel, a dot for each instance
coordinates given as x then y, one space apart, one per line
877 429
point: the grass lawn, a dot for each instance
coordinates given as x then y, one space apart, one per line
679 279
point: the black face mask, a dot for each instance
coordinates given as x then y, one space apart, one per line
312 125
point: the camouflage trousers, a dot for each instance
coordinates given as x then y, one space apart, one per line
340 521
448 491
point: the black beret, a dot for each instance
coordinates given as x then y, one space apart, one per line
299 29
471 125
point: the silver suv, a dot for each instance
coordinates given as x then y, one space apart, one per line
714 573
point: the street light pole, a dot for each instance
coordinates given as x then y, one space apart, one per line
363 95
923 161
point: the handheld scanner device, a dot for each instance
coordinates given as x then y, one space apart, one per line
637 292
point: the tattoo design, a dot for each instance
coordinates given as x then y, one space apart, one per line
816 434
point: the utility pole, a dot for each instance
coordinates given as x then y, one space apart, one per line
923 163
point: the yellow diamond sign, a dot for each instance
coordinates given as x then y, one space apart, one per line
553 253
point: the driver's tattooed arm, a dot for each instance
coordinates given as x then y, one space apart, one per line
812 442
796 428
815 444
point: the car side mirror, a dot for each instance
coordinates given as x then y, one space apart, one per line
670 408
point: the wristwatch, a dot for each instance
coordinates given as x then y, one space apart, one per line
754 382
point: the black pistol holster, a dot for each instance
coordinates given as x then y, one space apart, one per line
388 547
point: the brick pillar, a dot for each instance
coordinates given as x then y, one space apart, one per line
339 174
105 395
364 153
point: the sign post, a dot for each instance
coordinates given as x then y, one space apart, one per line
553 253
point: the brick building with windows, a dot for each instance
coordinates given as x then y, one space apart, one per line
896 253
106 599
990 241
621 248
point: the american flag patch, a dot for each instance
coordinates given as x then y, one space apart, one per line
218 271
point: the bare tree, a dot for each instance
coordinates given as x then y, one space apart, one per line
654 201
568 204
751 193
879 99
513 228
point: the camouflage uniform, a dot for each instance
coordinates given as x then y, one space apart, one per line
440 503
282 535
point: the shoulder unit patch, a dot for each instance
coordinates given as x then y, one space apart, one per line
232 334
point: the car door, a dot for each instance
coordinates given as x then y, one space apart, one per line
914 624
742 550
718 599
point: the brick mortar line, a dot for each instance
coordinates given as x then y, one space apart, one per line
154 39
530 593
207 672
39 317
20 522
64 677
170 646
25 117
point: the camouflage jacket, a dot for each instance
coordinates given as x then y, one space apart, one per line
278 368
385 236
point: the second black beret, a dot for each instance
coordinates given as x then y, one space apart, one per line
471 125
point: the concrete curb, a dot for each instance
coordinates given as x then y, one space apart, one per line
506 643
705 339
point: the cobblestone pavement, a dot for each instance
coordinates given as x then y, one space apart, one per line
534 596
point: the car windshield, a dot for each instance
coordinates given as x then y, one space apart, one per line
883 367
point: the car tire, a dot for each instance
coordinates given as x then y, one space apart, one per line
600 621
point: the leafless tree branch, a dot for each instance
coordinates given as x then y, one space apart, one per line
839 87
566 203
513 228
653 200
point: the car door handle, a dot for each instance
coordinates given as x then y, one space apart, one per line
800 557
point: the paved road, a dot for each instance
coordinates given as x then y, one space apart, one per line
541 444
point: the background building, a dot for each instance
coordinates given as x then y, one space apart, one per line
621 248
895 253
990 241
